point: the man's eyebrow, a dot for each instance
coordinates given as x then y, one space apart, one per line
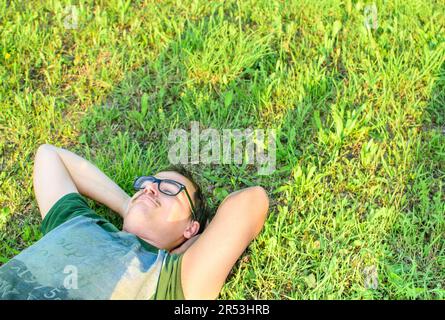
163 177
169 178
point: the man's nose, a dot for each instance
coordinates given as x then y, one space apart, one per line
151 188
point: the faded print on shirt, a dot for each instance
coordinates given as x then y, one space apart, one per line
80 260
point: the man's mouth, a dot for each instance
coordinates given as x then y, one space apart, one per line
146 197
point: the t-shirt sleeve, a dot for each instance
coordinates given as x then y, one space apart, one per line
169 284
68 207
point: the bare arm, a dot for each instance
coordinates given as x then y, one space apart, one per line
58 172
208 261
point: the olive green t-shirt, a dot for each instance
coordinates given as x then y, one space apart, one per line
84 256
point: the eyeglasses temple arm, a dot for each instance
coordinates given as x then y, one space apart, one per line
191 203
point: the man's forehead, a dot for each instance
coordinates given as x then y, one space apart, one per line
173 175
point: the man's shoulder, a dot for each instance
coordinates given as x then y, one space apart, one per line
68 207
170 281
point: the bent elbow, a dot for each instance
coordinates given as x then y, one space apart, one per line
44 148
261 199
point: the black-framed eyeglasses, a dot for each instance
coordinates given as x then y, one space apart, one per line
166 186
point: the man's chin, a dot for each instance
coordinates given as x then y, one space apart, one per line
131 229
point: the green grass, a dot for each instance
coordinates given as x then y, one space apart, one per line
359 117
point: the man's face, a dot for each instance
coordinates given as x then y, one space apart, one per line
160 219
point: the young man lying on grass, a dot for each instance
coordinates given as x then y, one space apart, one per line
160 252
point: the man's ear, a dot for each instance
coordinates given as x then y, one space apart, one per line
191 230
